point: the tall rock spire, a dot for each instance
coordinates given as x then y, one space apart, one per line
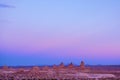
71 65
82 65
61 65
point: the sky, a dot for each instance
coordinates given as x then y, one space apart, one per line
47 32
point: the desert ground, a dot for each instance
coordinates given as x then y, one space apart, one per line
61 72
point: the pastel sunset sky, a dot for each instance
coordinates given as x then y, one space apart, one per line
46 32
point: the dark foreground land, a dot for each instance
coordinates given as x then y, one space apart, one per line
61 72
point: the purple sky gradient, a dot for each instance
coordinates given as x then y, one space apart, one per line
49 31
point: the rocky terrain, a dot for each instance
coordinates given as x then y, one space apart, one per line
60 72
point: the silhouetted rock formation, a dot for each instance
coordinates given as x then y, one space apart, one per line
45 68
70 65
71 72
35 69
82 65
61 65
21 70
54 66
5 67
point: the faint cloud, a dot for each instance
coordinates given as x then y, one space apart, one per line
6 6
